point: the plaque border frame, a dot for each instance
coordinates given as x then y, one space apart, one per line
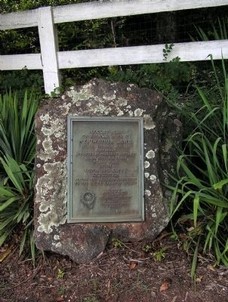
70 120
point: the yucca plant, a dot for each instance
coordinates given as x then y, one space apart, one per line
17 153
201 190
17 126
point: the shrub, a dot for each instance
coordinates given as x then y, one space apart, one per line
20 81
201 189
169 78
17 153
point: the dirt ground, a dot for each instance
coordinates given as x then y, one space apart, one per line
156 272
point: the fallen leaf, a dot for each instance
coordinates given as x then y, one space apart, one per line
133 264
211 267
199 279
60 299
165 285
4 254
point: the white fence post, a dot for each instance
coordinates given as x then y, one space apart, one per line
49 48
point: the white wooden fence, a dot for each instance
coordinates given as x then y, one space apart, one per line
50 60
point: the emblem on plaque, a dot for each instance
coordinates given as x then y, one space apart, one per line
88 199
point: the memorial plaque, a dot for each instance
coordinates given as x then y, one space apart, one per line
105 169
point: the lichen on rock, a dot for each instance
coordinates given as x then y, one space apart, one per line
82 242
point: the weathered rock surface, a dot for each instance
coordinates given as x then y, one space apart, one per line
162 133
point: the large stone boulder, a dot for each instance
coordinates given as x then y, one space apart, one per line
162 133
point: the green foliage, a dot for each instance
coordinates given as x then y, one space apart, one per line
167 50
116 243
218 31
159 255
60 274
201 188
8 6
169 78
17 152
71 36
20 81
17 138
19 41
146 248
85 35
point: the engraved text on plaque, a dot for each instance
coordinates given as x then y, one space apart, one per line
105 169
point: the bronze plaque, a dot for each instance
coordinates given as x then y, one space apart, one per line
105 165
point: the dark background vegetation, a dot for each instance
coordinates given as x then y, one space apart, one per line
170 27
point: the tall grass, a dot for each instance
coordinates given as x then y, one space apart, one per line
218 31
200 196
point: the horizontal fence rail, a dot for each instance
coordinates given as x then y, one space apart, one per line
121 56
98 10
51 60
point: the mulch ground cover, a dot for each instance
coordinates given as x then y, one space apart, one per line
125 272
